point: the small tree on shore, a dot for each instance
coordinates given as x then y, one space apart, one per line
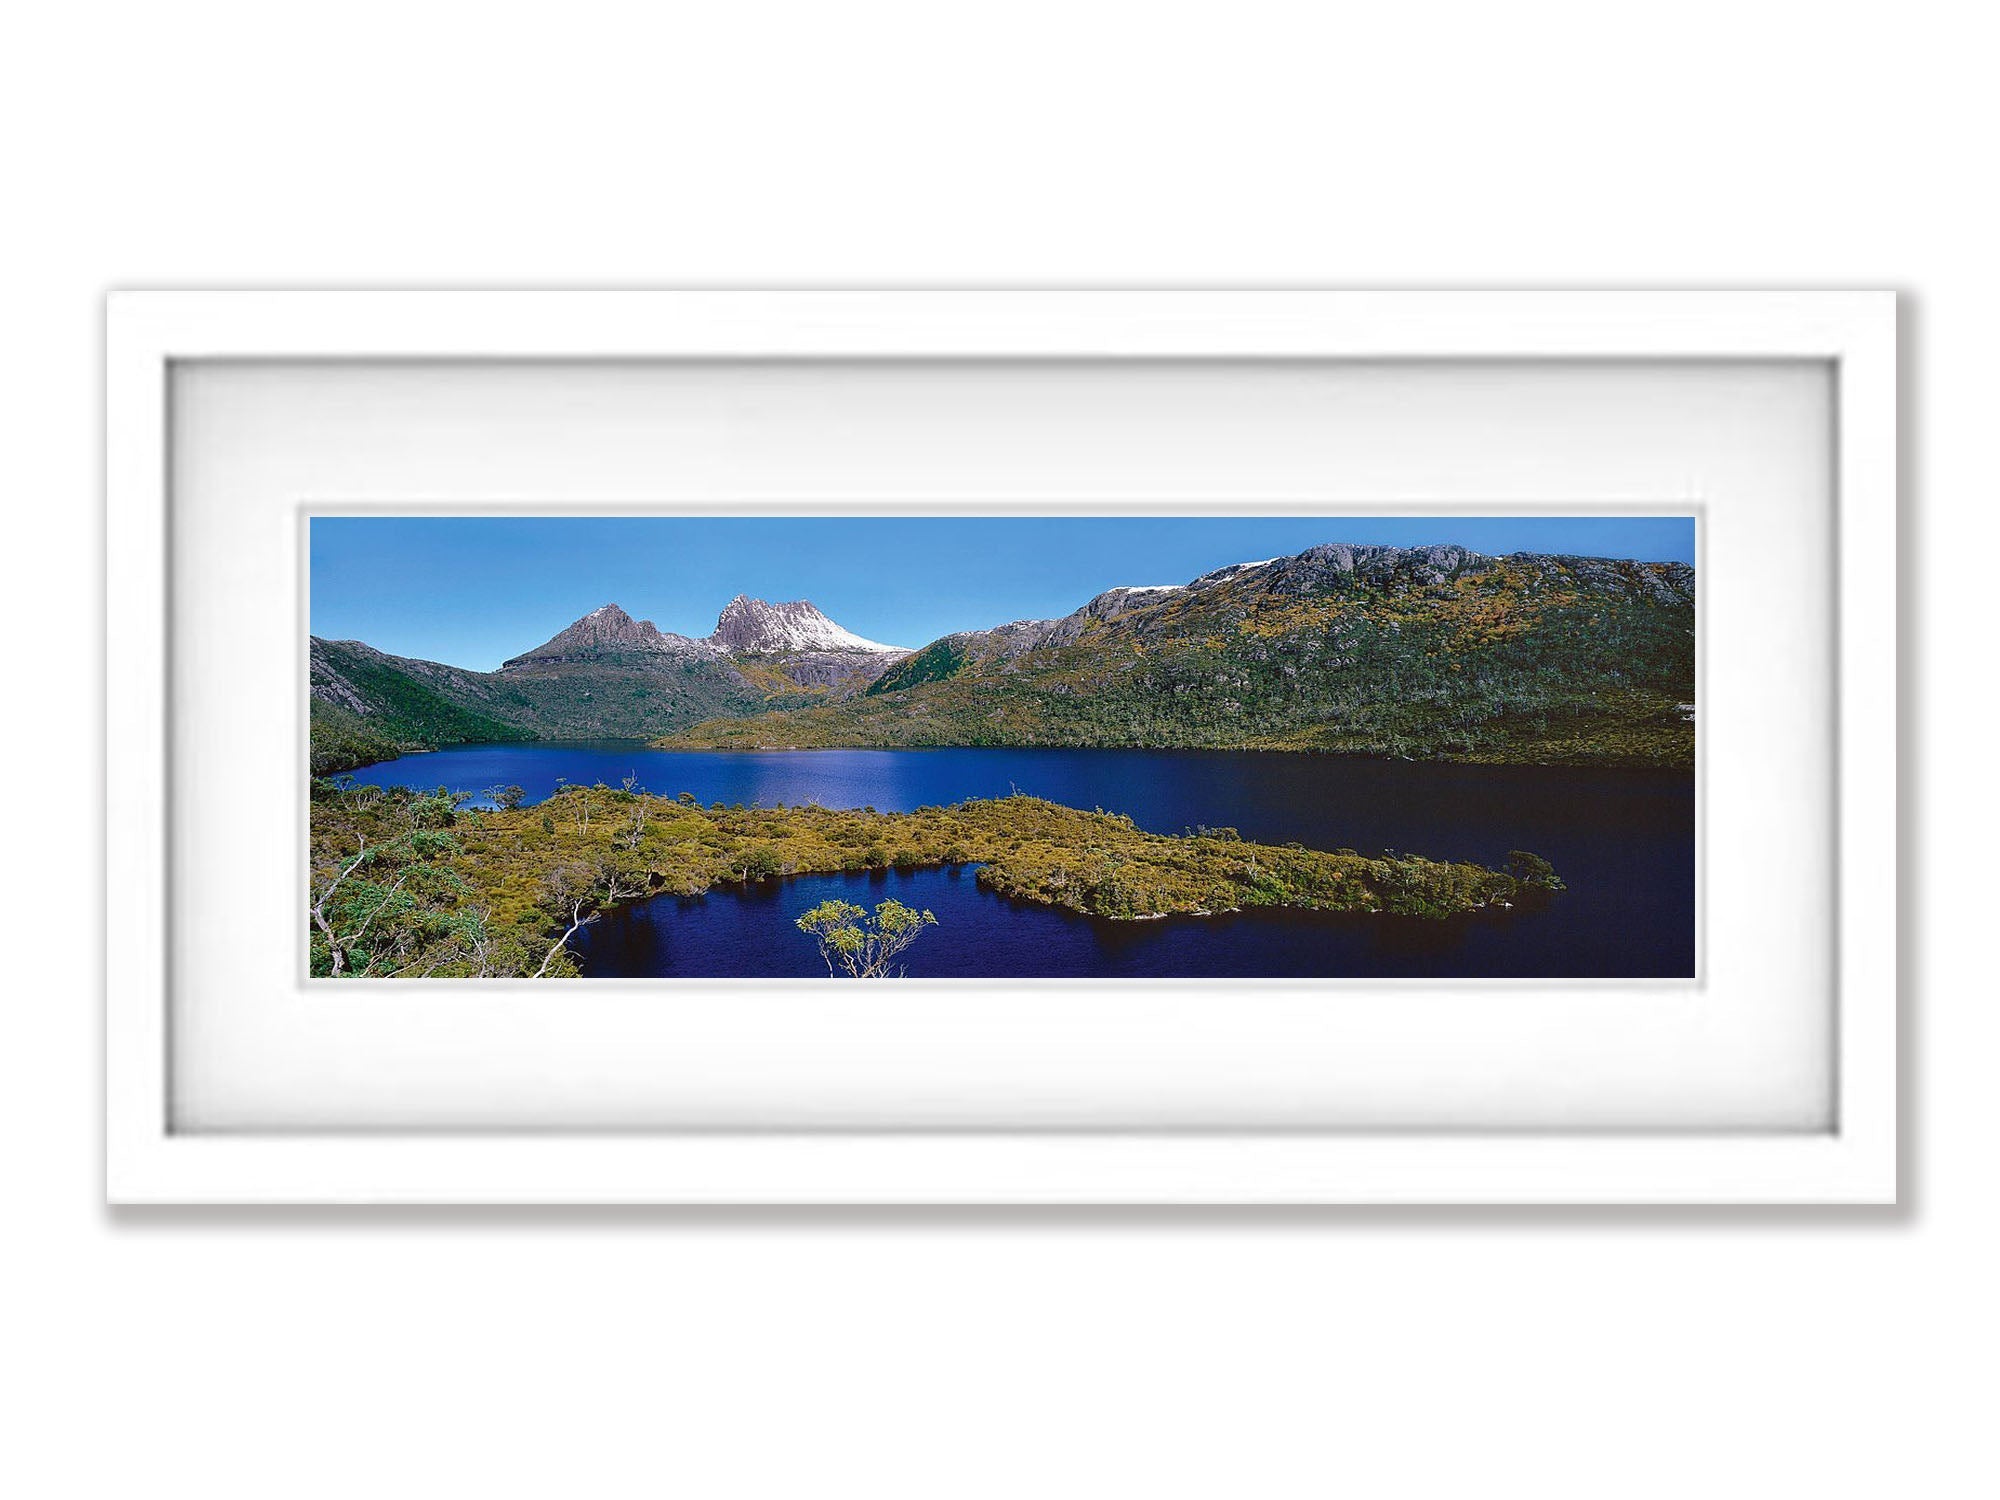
861 946
759 862
574 894
1533 870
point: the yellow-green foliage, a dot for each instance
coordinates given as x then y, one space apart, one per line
861 944
774 682
513 877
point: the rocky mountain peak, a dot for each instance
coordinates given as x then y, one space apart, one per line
753 625
605 631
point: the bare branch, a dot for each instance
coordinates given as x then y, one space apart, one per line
578 921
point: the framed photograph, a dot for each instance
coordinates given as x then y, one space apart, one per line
1002 747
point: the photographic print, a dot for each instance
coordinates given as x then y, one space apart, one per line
993 747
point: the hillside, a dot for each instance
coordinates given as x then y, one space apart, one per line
368 706
1427 652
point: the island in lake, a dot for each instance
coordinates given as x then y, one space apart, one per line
1356 758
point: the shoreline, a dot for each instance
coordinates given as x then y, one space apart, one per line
1688 767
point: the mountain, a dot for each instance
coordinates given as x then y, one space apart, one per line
607 633
752 625
605 676
793 648
1425 651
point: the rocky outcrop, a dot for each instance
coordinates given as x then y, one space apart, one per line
1338 566
1110 605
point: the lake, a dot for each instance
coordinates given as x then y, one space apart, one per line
1623 840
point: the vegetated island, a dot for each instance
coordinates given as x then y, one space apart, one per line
409 884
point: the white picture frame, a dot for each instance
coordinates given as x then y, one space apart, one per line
1851 1160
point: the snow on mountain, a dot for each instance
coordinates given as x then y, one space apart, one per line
752 625
1234 570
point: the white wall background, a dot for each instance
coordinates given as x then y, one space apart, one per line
1449 1353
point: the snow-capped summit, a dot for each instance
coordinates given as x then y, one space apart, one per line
1234 570
751 625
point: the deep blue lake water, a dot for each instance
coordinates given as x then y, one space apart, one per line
1623 840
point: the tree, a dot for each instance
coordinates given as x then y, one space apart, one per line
1532 870
507 798
439 810
759 862
852 942
577 800
634 832
396 909
573 894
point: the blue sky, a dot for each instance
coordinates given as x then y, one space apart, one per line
473 591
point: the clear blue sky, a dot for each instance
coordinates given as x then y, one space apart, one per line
473 591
